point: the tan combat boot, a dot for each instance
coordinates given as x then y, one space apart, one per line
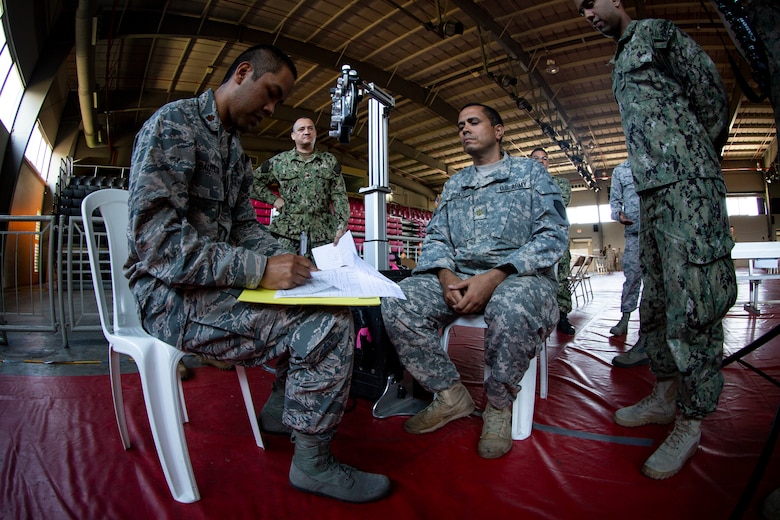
450 404
496 438
657 408
678 447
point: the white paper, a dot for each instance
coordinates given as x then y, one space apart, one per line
343 273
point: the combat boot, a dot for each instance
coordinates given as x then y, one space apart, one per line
270 416
315 470
496 438
565 326
450 404
657 408
622 326
634 357
678 447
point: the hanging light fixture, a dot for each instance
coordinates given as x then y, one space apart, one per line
552 67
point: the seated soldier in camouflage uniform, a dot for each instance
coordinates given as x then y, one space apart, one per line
195 244
491 247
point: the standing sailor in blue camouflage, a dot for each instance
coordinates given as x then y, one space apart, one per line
564 266
624 204
675 111
309 183
491 247
195 244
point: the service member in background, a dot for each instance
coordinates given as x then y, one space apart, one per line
674 110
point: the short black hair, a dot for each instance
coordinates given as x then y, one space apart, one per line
264 58
492 114
539 150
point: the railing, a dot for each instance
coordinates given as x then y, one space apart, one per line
28 283
78 297
45 278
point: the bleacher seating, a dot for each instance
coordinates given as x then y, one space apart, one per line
402 221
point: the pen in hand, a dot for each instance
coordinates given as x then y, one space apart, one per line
304 243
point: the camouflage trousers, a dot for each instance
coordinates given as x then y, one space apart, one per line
520 314
632 270
319 343
564 287
690 284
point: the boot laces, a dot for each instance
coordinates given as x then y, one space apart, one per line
344 471
681 431
495 421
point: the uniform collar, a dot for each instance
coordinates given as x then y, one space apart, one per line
207 107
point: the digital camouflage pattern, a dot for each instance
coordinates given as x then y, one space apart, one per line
563 295
511 216
623 197
672 102
690 284
308 187
674 109
195 244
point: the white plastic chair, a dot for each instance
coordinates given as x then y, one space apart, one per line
156 360
523 407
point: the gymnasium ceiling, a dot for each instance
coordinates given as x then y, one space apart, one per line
148 52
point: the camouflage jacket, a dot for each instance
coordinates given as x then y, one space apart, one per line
673 104
191 221
623 196
565 186
511 216
308 187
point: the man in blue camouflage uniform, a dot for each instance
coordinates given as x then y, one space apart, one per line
674 109
309 183
563 294
490 247
195 244
624 204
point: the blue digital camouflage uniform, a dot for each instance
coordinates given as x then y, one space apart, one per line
308 187
563 294
195 243
513 216
623 197
674 109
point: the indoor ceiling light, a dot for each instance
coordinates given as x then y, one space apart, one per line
552 67
451 28
523 104
506 80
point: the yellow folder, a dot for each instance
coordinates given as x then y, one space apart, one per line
266 296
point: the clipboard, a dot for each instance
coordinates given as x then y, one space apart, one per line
267 296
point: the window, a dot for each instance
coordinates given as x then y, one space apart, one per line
11 88
744 206
592 214
38 152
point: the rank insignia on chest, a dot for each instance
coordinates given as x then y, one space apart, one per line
480 213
